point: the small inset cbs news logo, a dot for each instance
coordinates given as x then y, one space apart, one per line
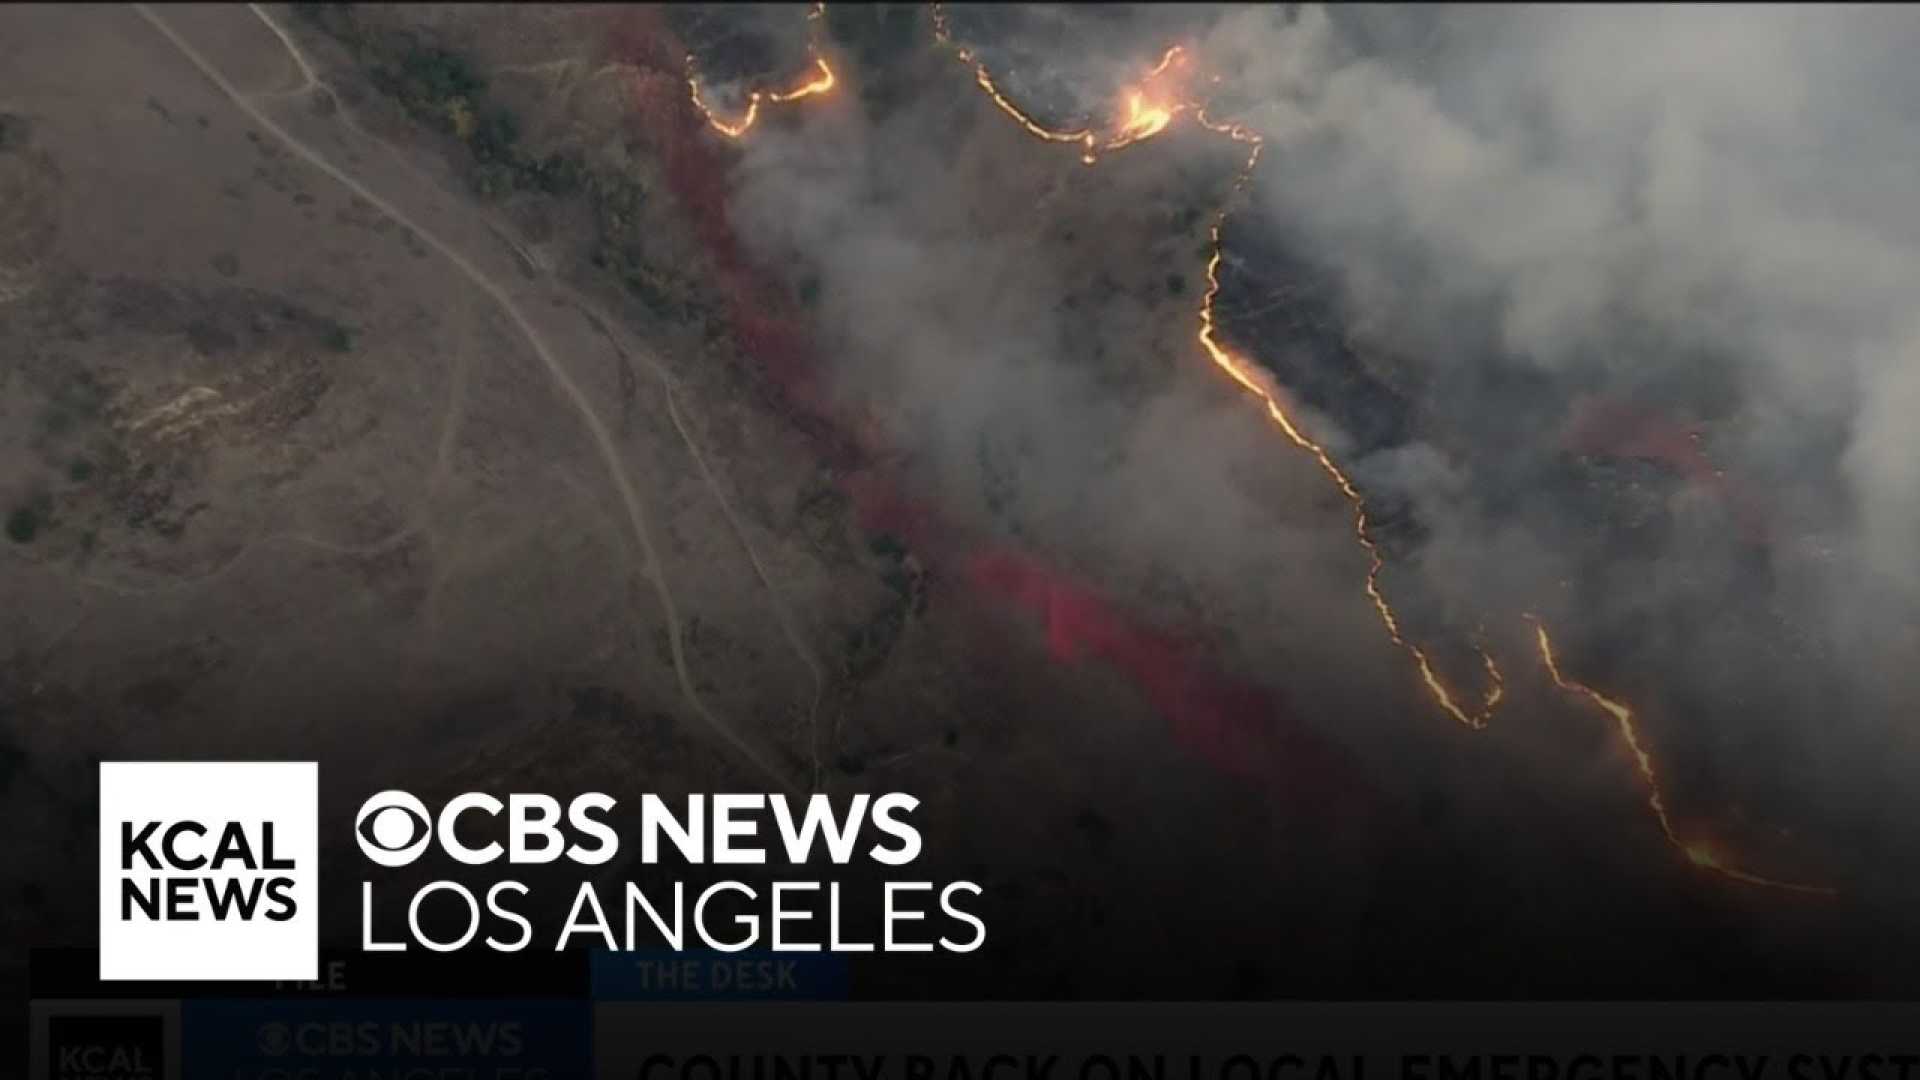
209 870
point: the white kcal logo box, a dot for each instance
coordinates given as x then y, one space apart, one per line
209 870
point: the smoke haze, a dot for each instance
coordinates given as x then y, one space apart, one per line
1606 310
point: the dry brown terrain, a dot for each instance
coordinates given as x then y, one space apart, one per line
310 451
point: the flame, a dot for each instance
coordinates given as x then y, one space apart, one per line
1033 127
819 84
1257 381
1261 385
1143 117
822 82
1143 121
1698 853
1174 52
731 130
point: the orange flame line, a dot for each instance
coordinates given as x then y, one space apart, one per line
1256 381
1033 127
1166 60
730 130
1142 122
821 83
1698 853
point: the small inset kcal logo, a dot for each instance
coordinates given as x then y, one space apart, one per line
106 1048
208 870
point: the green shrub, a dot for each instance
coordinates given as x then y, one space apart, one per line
337 337
24 523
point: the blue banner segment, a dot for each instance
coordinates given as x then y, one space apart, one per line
710 975
320 1038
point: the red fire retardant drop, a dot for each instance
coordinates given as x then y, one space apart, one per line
1235 726
1608 427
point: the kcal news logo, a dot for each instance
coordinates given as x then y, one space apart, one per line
209 870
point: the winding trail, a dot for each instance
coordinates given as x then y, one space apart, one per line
596 428
536 266
781 612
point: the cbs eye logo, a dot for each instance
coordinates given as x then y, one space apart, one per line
393 828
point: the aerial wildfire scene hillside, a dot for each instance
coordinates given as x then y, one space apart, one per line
1316 501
